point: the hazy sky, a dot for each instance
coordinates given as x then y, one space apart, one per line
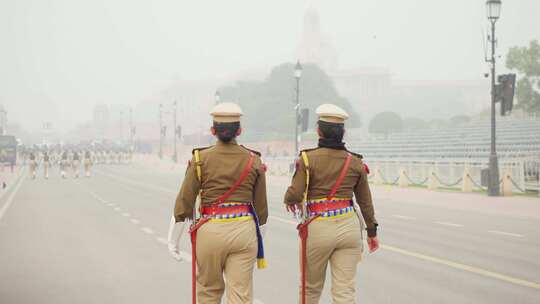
60 57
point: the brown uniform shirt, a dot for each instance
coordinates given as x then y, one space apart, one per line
221 167
325 166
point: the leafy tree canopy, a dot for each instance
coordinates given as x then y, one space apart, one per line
269 105
526 60
385 123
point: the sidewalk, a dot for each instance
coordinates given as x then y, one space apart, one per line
512 206
8 178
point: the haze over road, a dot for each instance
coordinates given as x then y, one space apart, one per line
103 240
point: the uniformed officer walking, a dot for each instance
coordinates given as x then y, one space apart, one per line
87 163
75 163
33 164
226 239
331 230
64 164
46 164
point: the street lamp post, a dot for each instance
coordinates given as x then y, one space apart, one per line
493 8
160 131
297 76
175 134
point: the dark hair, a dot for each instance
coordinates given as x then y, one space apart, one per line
332 131
226 131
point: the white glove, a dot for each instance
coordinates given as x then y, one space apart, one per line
173 238
263 231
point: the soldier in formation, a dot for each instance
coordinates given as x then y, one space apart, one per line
46 164
226 227
64 164
33 163
75 164
87 163
322 191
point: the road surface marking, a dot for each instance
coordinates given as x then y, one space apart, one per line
449 224
117 209
452 264
162 240
506 233
9 200
135 221
110 204
147 230
464 267
403 217
125 214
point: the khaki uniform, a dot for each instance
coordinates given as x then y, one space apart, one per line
87 164
224 248
46 165
33 166
338 239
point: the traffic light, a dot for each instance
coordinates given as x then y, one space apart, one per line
304 120
505 92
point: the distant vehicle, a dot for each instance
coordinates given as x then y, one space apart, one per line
8 149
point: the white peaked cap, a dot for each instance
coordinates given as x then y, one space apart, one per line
331 113
226 112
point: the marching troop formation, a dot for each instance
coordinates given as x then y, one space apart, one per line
70 162
223 197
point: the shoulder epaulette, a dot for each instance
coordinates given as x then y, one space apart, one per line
256 152
200 149
308 150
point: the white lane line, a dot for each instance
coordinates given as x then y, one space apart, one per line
9 200
506 233
147 230
464 267
110 204
117 209
135 221
403 217
449 224
452 264
125 214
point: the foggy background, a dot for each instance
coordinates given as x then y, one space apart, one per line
61 58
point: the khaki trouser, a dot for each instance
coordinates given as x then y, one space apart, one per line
46 165
87 164
338 241
230 249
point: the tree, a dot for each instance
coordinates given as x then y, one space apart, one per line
385 123
526 61
269 105
413 123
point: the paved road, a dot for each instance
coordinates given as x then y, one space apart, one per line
102 240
